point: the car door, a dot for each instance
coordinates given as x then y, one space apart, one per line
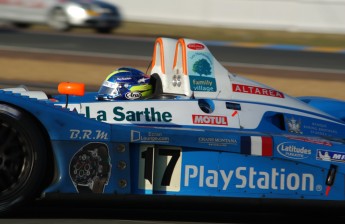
11 9
35 10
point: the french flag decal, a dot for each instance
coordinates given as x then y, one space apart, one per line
257 145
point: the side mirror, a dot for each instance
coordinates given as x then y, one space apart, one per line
72 88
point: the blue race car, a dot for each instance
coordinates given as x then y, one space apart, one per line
190 129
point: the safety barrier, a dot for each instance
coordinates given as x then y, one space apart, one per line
321 16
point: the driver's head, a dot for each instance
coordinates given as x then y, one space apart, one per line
125 84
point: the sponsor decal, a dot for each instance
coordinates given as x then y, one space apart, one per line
210 120
294 126
257 145
309 126
88 134
318 128
202 85
289 150
249 177
121 114
133 95
123 78
201 72
327 155
214 141
256 90
137 136
90 168
311 140
160 168
196 46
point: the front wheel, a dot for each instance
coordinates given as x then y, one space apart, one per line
58 20
21 25
105 30
22 158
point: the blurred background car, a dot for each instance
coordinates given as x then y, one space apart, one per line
61 15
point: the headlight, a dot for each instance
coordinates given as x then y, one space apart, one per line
92 13
76 12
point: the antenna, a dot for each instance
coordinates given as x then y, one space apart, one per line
148 67
192 96
218 93
66 105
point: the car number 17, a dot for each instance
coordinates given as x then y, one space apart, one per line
160 168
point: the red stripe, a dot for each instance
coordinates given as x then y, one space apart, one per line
328 188
267 146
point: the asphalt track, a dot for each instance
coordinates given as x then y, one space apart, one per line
109 48
141 48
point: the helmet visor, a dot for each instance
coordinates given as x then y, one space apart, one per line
110 90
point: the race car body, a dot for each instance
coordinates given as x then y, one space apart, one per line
205 133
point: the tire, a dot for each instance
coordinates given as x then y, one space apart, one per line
105 30
23 158
21 25
58 20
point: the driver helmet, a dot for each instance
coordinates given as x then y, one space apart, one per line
125 84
